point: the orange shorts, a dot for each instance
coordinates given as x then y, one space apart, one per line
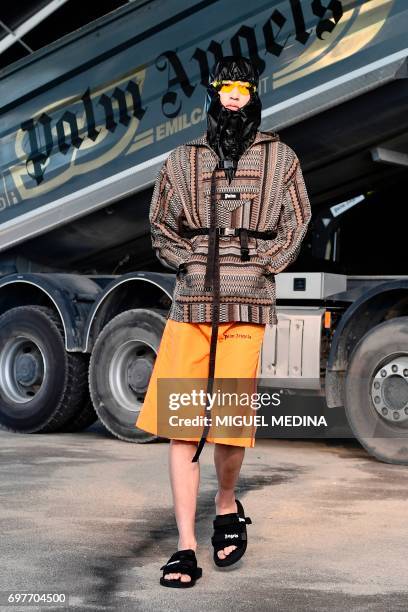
184 353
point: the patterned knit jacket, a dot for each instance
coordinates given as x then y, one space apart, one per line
267 193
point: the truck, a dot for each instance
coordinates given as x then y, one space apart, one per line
85 126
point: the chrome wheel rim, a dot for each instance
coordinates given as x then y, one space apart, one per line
129 373
22 369
389 390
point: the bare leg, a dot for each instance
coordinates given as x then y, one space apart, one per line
185 480
228 460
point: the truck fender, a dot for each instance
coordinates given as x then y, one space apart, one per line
69 294
163 282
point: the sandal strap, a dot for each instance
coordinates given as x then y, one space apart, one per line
230 519
183 561
181 568
230 528
229 536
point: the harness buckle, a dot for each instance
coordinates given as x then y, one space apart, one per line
227 163
228 231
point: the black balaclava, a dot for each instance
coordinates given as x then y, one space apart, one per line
230 132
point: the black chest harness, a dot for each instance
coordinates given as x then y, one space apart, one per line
212 277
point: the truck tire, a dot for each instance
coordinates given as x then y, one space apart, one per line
376 392
82 419
120 367
84 415
41 384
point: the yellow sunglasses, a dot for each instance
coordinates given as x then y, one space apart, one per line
244 88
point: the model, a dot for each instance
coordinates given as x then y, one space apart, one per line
229 211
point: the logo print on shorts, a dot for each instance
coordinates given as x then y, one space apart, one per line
238 335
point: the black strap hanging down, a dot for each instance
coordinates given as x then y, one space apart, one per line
212 280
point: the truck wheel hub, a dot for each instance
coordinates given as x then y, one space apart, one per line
27 370
22 369
389 390
139 372
129 373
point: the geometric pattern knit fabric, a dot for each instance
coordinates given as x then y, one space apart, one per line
268 192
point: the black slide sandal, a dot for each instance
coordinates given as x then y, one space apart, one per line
185 562
230 529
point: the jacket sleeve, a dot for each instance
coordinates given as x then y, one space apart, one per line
166 212
292 223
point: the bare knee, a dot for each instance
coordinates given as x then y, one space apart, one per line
183 442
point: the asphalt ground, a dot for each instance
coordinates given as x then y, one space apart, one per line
91 516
